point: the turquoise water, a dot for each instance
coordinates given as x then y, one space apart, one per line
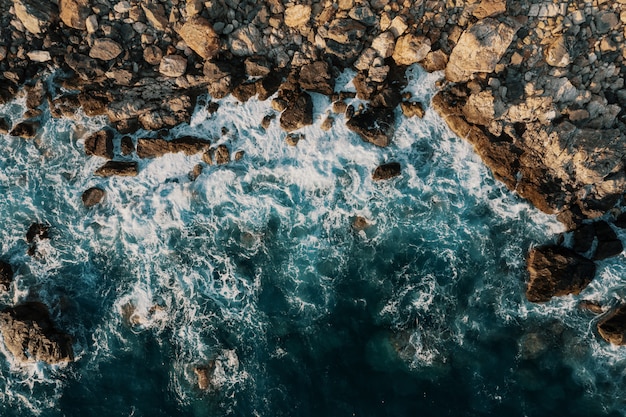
255 265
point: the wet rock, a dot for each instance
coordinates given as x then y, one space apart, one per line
93 196
105 49
299 113
316 77
612 328
479 49
374 125
126 145
30 335
37 231
196 172
199 35
592 306
608 243
26 129
292 139
239 155
6 276
360 223
173 66
154 148
64 106
100 144
412 109
222 155
410 49
583 238
36 15
244 92
556 271
204 374
74 13
267 120
387 171
118 168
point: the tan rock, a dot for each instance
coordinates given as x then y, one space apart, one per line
173 65
39 56
384 44
298 15
410 49
479 49
247 41
91 24
489 8
152 54
435 61
74 13
557 54
199 35
36 15
155 13
105 49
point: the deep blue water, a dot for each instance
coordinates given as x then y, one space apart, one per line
255 265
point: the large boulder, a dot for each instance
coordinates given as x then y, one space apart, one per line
387 171
317 77
374 125
153 148
612 328
557 271
479 49
29 334
93 196
100 144
74 13
299 113
118 168
199 35
36 15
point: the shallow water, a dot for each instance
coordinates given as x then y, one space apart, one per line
255 265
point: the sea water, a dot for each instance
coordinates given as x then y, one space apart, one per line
256 268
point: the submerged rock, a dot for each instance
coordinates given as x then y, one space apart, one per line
203 374
30 335
93 196
154 148
37 231
36 15
612 328
557 271
6 276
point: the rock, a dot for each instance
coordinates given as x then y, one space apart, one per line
244 92
556 271
384 44
6 276
74 13
86 68
267 120
199 35
154 148
299 113
26 129
292 139
360 223
100 144
605 22
620 221
363 14
317 77
374 125
239 155
583 238
412 109
119 168
297 15
39 56
489 8
29 335
345 31
398 26
410 49
204 373
387 171
196 172
612 328
91 24
4 125
155 13
37 231
222 155
557 54
126 145
592 306
479 49
173 66
36 15
105 49
93 196
608 243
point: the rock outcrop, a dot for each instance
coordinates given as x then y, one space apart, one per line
612 328
30 335
556 271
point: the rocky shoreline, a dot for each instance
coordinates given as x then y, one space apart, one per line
536 87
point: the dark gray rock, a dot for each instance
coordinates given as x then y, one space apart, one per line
374 125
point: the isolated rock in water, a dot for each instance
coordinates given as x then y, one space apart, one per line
74 13
222 155
612 328
204 374
6 276
37 231
105 49
387 171
100 144
119 168
30 335
27 129
360 223
412 109
173 65
479 49
299 113
557 271
410 49
199 35
93 196
154 148
36 15
374 125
